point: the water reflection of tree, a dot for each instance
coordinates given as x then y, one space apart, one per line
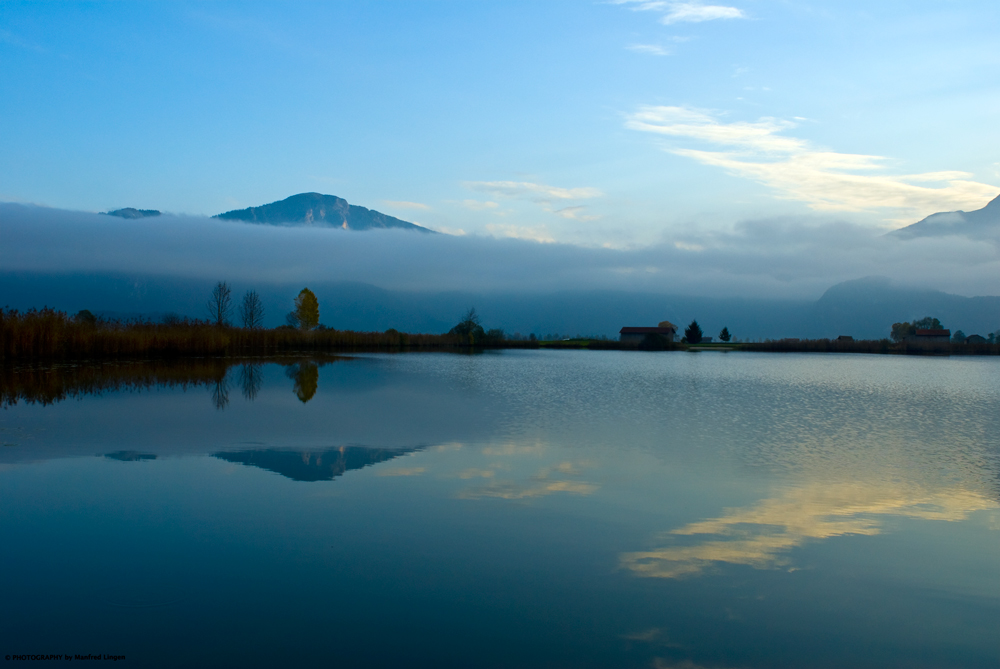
220 393
251 379
306 377
46 383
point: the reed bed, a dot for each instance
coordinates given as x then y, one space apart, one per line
870 346
47 334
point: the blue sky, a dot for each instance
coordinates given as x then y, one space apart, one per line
596 123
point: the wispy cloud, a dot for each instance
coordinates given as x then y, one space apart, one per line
575 213
825 180
651 49
403 204
520 232
479 205
525 190
684 12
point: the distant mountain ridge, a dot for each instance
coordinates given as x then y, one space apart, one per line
132 212
319 210
976 224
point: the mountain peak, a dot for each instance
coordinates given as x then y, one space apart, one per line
979 223
318 209
132 212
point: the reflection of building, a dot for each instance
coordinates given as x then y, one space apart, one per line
323 465
636 335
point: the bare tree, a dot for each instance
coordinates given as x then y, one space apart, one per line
252 311
220 305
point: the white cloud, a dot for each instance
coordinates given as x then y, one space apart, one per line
684 12
479 205
520 232
823 179
403 204
575 213
651 49
532 191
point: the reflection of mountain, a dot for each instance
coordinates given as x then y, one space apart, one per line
314 465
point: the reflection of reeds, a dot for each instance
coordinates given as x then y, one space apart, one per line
49 384
53 335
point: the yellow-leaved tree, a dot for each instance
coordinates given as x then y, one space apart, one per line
306 310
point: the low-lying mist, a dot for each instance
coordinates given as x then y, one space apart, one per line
386 278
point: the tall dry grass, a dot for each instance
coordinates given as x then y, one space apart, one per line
47 334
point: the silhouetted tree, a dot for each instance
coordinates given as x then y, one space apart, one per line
306 312
958 337
469 326
693 333
220 305
84 316
928 323
724 335
901 331
252 311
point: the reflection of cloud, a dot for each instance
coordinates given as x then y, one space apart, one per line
660 663
760 536
684 12
540 485
511 490
402 471
825 180
476 474
514 448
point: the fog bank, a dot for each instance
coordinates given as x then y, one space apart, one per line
764 259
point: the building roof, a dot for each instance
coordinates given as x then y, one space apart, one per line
662 331
933 333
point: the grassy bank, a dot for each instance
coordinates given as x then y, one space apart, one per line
53 335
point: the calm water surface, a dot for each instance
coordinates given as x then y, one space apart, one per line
514 509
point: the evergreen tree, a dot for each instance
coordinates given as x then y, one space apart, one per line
724 335
693 333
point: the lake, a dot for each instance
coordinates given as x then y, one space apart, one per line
506 509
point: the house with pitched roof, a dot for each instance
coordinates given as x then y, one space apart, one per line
636 335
